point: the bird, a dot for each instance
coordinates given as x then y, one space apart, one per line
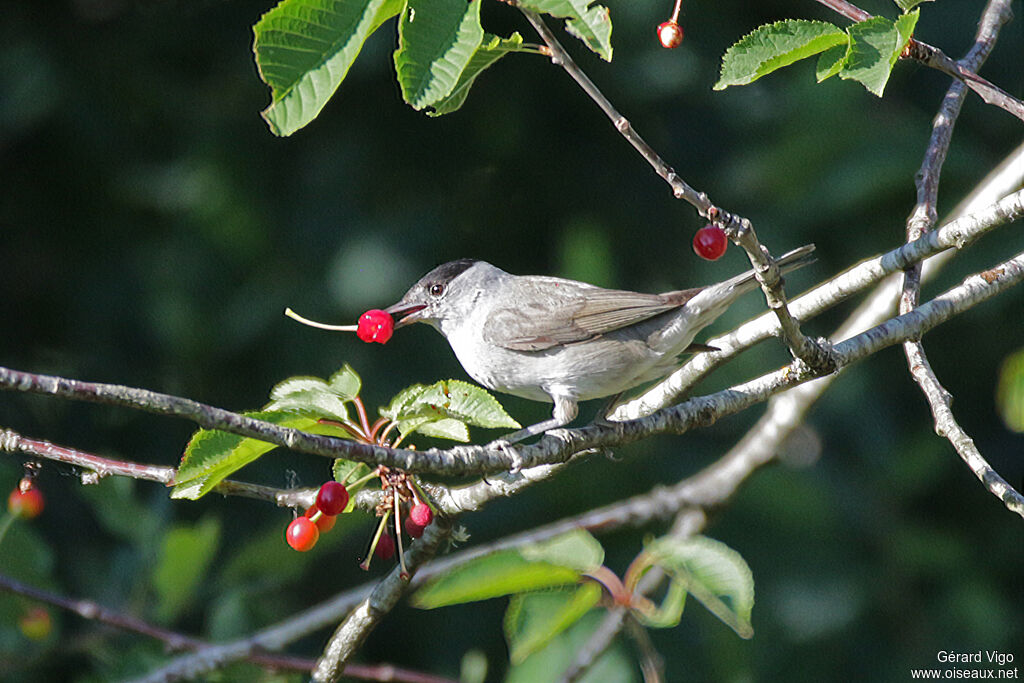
562 341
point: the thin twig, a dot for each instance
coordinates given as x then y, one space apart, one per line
96 467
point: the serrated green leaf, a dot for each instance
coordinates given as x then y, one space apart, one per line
534 619
463 401
713 573
297 385
436 40
315 404
875 45
592 25
907 5
445 428
345 382
490 51
831 61
304 49
1010 391
492 576
774 46
185 555
402 400
576 549
212 455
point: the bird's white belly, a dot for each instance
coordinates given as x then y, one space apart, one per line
566 371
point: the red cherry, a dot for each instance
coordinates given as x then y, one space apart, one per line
710 242
25 504
412 528
302 534
375 326
421 514
670 34
385 549
323 522
332 498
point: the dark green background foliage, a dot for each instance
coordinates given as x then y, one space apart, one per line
152 231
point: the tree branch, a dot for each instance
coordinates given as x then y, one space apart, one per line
97 467
93 611
351 633
922 219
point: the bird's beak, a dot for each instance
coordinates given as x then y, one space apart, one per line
405 313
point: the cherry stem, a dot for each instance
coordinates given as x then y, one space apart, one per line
607 578
351 427
365 564
323 326
361 409
375 427
675 12
361 480
398 532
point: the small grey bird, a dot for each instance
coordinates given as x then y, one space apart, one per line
561 341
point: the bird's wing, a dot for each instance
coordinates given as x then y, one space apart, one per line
552 311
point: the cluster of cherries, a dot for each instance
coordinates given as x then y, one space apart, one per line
332 499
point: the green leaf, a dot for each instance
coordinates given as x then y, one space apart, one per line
670 611
592 25
1010 391
537 566
346 383
576 549
490 51
831 62
304 49
548 665
185 555
436 40
315 405
492 576
313 397
444 408
212 454
774 46
445 428
875 45
347 471
907 5
399 406
463 401
713 573
534 619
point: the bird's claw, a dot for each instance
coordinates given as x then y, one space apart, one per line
505 446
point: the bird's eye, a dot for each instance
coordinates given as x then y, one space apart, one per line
436 289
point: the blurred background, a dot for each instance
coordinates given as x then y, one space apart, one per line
152 231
